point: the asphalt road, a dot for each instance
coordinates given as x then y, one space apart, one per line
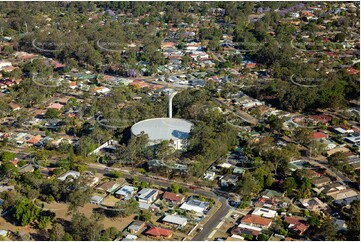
213 221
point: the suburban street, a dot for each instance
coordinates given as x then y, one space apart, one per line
208 227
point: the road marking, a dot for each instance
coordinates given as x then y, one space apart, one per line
220 224
211 235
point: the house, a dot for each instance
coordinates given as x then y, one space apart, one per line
257 221
209 175
136 226
318 136
296 225
342 129
244 229
195 205
109 186
174 220
148 206
96 199
263 212
57 106
173 197
159 232
271 194
344 194
4 233
126 192
129 237
321 181
147 195
266 202
4 64
228 180
167 45
330 189
34 139
73 174
26 168
14 106
314 204
341 224
101 90
6 188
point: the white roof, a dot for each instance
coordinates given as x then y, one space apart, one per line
195 205
163 128
245 226
74 174
264 212
97 199
3 232
175 219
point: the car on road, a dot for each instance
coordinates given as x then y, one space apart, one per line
199 229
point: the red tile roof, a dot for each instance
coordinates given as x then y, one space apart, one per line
159 232
352 71
254 219
318 135
173 196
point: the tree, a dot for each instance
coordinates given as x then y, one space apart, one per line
316 147
248 185
289 185
8 169
145 215
336 159
262 237
175 188
80 194
275 122
7 156
353 223
57 232
328 229
340 37
164 149
25 212
302 135
115 174
52 113
126 208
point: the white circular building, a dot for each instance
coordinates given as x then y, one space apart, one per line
159 129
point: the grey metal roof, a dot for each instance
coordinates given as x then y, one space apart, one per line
163 128
175 219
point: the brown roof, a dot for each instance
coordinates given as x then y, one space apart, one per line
254 219
107 185
296 224
173 196
159 232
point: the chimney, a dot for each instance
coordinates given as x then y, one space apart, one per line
170 100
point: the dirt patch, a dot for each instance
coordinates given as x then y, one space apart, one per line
87 210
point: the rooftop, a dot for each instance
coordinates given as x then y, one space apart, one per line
163 128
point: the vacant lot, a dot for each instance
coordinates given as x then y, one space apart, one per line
61 211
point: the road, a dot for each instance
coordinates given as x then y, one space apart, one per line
241 114
213 221
211 224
